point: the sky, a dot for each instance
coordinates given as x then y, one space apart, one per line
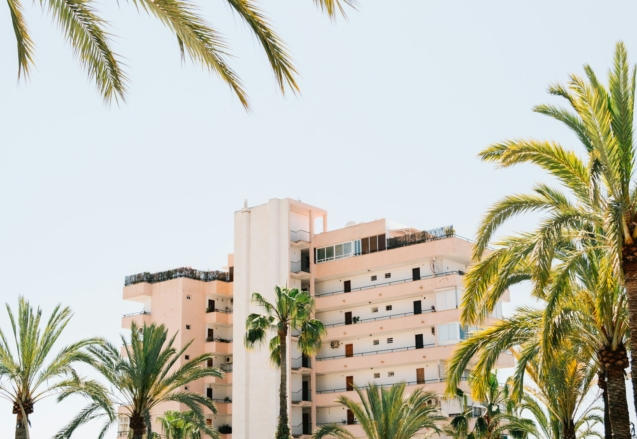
395 105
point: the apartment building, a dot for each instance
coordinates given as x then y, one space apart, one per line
388 294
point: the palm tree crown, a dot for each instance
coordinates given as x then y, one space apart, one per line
386 413
86 32
30 373
147 376
291 310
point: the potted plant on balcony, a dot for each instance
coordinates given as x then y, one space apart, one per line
356 319
210 309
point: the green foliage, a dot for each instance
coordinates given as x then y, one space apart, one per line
86 32
151 373
30 372
386 413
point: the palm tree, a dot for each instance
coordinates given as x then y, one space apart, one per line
147 376
386 413
563 392
31 373
292 309
498 414
179 425
599 211
86 32
584 305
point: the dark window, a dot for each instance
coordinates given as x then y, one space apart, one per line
347 285
374 277
387 275
209 392
419 341
388 308
373 244
187 326
188 297
231 274
415 273
381 242
348 318
187 357
365 246
417 307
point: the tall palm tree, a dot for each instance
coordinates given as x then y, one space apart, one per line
386 413
147 376
86 32
585 304
498 413
599 209
30 372
292 309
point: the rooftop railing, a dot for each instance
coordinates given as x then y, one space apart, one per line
394 282
186 272
139 313
382 351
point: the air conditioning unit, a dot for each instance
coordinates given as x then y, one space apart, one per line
229 360
335 344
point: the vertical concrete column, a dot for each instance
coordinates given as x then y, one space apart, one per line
240 389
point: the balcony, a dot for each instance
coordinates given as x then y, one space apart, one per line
301 364
385 358
219 316
301 398
300 270
225 381
382 351
328 397
186 272
140 318
218 346
300 238
399 289
376 319
406 322
224 407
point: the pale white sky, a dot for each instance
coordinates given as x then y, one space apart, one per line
395 105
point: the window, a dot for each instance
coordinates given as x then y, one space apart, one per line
450 333
390 374
387 275
338 251
188 297
388 308
208 422
329 253
376 342
390 340
446 299
186 388
374 277
377 375
320 255
375 309
187 357
187 326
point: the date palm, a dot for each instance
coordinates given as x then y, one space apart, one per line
585 305
291 310
498 413
31 371
178 425
387 413
86 32
597 208
148 375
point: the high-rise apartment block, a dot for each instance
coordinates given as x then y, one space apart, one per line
388 294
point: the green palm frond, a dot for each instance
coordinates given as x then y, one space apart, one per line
84 30
333 7
23 39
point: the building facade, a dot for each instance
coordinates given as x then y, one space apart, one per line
388 294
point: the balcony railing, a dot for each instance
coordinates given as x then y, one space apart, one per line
382 351
374 319
419 238
226 367
218 340
302 395
140 313
394 282
299 235
305 362
187 272
409 383
298 266
225 311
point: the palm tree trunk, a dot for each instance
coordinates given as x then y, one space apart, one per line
283 429
138 425
617 404
569 431
629 265
601 382
21 427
